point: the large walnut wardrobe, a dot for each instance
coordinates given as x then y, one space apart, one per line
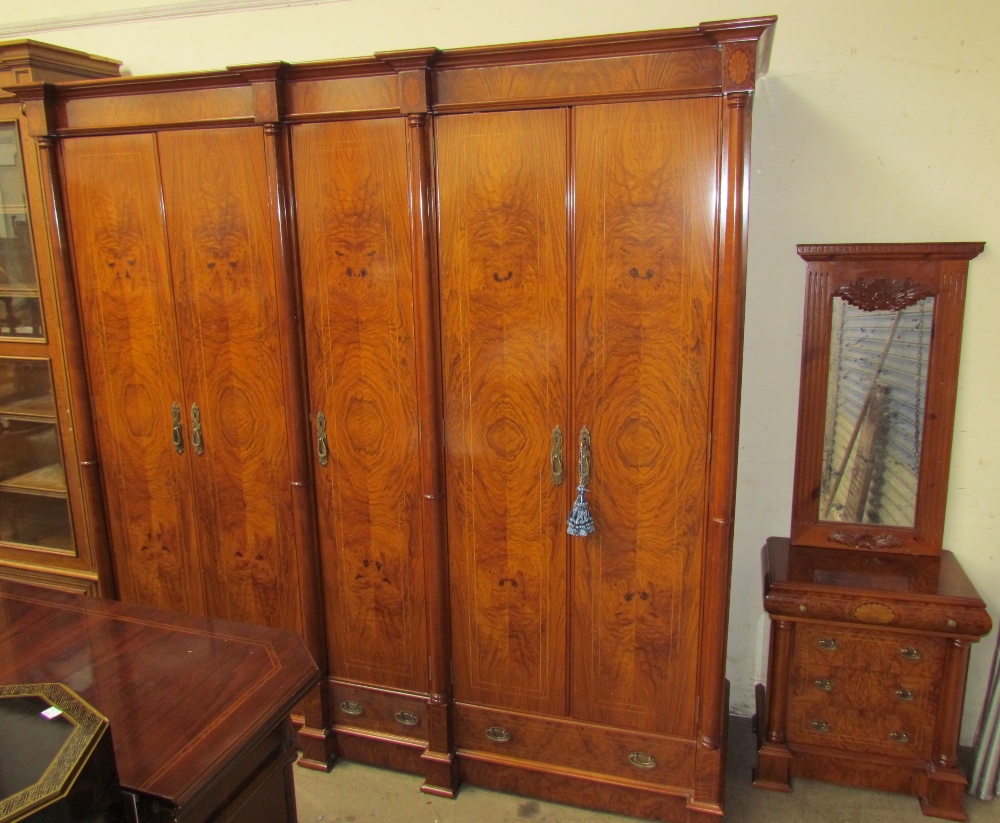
360 335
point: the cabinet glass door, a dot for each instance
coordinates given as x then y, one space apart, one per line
20 306
34 509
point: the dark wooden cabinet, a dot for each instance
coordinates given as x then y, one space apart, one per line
347 327
198 707
866 679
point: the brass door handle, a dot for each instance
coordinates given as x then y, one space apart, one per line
556 458
580 522
177 435
352 707
197 443
322 447
584 456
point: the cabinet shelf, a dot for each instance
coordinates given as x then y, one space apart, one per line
18 290
38 407
47 481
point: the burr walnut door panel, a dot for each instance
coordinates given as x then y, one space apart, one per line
120 257
502 185
217 208
357 282
646 181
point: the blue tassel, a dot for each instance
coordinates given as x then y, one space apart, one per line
580 523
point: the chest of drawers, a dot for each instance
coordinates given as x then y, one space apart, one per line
866 678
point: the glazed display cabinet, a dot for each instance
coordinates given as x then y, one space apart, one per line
51 523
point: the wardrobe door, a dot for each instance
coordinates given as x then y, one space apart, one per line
646 182
224 286
119 253
502 187
357 283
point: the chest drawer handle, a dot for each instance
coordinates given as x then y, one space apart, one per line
641 760
899 737
827 644
819 726
910 653
498 734
823 684
350 707
905 694
406 718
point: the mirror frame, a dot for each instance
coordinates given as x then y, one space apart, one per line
884 276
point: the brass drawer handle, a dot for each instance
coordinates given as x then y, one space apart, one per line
641 760
823 684
498 734
899 737
350 707
827 644
905 694
406 718
820 726
910 653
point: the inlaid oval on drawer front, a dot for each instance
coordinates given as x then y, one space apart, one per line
875 613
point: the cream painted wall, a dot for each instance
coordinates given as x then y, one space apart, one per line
876 122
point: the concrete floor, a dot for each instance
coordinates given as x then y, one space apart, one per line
353 793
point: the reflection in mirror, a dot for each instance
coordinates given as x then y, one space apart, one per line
876 398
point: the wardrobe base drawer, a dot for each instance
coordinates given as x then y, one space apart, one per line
655 760
382 711
586 791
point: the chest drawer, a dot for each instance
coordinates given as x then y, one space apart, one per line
871 650
864 690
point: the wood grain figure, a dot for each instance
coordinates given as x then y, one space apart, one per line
502 181
645 242
120 258
358 294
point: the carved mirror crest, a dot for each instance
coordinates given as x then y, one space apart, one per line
881 343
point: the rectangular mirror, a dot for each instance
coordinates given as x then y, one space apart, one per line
881 340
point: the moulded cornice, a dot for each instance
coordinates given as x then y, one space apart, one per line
891 251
